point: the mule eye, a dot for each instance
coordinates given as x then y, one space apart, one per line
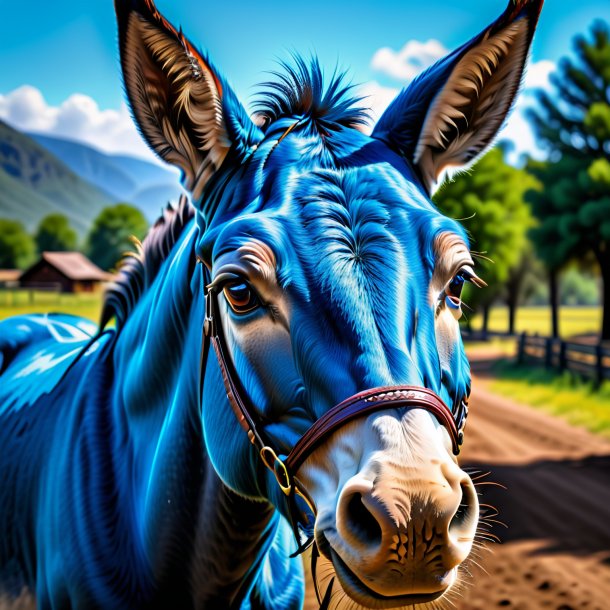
453 294
241 298
465 274
454 288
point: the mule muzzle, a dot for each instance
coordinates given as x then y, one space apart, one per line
399 537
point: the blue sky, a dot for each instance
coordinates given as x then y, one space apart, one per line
62 47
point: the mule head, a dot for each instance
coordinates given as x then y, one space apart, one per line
336 274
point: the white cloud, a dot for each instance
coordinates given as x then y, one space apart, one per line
77 118
406 64
401 66
377 98
538 73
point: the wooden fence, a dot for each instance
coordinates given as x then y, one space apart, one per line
16 295
590 361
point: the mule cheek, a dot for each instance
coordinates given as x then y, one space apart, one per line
448 339
262 353
455 369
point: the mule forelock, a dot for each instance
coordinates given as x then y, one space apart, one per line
300 89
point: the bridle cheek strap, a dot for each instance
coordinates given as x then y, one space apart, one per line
358 405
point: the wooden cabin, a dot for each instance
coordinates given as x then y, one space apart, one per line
64 272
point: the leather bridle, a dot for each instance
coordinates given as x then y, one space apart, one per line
358 405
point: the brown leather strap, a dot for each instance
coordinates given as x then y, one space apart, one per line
245 412
366 402
361 404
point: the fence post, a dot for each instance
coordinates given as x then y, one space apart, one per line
599 364
548 352
521 347
562 356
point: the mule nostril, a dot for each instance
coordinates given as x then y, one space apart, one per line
466 514
362 524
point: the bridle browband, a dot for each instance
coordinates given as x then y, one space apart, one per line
358 405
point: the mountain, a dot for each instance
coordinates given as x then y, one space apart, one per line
34 183
146 185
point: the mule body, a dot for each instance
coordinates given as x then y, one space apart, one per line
109 499
127 479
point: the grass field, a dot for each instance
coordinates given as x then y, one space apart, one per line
15 302
561 394
572 320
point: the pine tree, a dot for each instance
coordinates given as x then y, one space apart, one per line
574 124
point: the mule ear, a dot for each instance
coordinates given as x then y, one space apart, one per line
451 112
182 106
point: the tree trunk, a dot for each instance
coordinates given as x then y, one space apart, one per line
512 313
554 297
485 326
602 254
514 288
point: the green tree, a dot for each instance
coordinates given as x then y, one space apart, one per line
16 246
522 282
112 232
490 201
573 208
555 236
575 119
55 234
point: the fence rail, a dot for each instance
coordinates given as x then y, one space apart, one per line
591 361
11 295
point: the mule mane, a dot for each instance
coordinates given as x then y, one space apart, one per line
137 270
301 90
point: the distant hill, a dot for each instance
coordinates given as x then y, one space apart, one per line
34 183
146 185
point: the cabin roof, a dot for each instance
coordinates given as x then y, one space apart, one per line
75 266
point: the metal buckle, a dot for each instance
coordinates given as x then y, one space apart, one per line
273 463
208 320
288 485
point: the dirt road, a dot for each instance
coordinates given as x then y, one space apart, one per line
556 549
555 553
